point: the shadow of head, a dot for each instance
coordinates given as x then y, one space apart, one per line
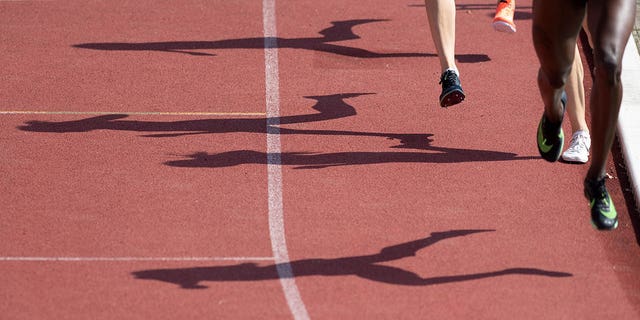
190 278
84 125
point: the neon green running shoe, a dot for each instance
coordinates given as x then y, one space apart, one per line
603 212
550 135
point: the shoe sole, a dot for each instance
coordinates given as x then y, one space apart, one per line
615 226
452 98
575 159
502 26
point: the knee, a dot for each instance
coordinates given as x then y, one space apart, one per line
608 66
556 78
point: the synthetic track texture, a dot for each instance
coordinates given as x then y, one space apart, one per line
393 207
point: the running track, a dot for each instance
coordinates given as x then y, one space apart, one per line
247 159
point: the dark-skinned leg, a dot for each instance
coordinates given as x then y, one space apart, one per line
610 23
610 27
556 25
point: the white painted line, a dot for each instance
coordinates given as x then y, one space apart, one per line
629 118
126 259
274 164
147 113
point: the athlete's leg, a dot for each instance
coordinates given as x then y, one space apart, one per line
578 150
556 25
442 23
575 95
610 23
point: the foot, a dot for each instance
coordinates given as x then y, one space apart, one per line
603 213
550 136
451 89
579 146
503 19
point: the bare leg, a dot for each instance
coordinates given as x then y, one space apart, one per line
555 28
575 95
609 23
580 143
442 23
556 25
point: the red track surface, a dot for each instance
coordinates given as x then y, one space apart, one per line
393 207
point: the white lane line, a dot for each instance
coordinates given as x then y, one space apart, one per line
124 259
144 113
274 164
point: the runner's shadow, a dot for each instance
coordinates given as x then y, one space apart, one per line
339 31
328 107
368 267
324 160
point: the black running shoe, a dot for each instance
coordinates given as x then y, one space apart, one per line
451 90
603 212
551 136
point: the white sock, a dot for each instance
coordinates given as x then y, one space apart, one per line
583 132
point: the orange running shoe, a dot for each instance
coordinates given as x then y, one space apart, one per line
503 20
